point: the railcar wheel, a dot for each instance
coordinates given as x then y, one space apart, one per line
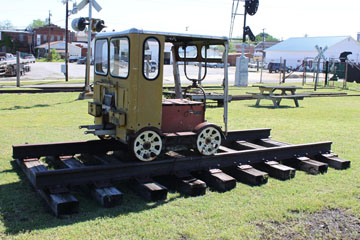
147 145
208 141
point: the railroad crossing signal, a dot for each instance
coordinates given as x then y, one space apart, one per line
83 3
321 52
99 25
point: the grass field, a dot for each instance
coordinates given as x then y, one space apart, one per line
271 211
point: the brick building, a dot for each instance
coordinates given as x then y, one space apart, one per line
249 49
26 41
56 33
12 41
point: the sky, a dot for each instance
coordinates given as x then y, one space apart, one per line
280 18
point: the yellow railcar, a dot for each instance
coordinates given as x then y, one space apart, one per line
128 83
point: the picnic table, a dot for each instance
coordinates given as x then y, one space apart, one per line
277 93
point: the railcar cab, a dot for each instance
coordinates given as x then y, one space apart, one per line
128 83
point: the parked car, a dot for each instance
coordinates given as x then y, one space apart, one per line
73 58
153 65
212 65
276 67
29 58
82 60
221 65
307 69
252 65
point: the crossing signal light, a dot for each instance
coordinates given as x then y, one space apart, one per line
79 24
251 6
97 25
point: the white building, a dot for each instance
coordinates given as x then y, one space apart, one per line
59 47
295 50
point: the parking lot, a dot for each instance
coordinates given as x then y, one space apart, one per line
52 71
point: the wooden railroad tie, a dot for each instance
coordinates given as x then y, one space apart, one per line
247 174
58 198
217 179
103 192
150 190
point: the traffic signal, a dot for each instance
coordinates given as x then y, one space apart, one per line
251 6
97 25
79 24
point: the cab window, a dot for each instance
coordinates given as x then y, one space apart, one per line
101 56
190 51
119 57
151 57
213 51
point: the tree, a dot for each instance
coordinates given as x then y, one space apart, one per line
268 38
36 24
6 41
6 25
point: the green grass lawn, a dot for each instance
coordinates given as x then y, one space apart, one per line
236 214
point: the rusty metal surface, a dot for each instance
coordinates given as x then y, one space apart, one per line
177 116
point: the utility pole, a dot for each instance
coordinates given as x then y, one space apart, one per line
67 42
99 25
49 57
88 58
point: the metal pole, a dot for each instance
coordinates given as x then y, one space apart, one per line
304 72
49 56
326 72
199 73
66 42
176 73
346 74
226 87
280 71
244 36
18 69
284 71
88 58
263 55
317 74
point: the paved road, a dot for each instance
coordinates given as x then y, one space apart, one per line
52 71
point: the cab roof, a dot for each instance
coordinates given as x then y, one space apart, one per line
170 37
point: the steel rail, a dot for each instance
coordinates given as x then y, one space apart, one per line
65 148
101 146
126 171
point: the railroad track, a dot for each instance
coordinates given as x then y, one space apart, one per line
42 90
248 156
